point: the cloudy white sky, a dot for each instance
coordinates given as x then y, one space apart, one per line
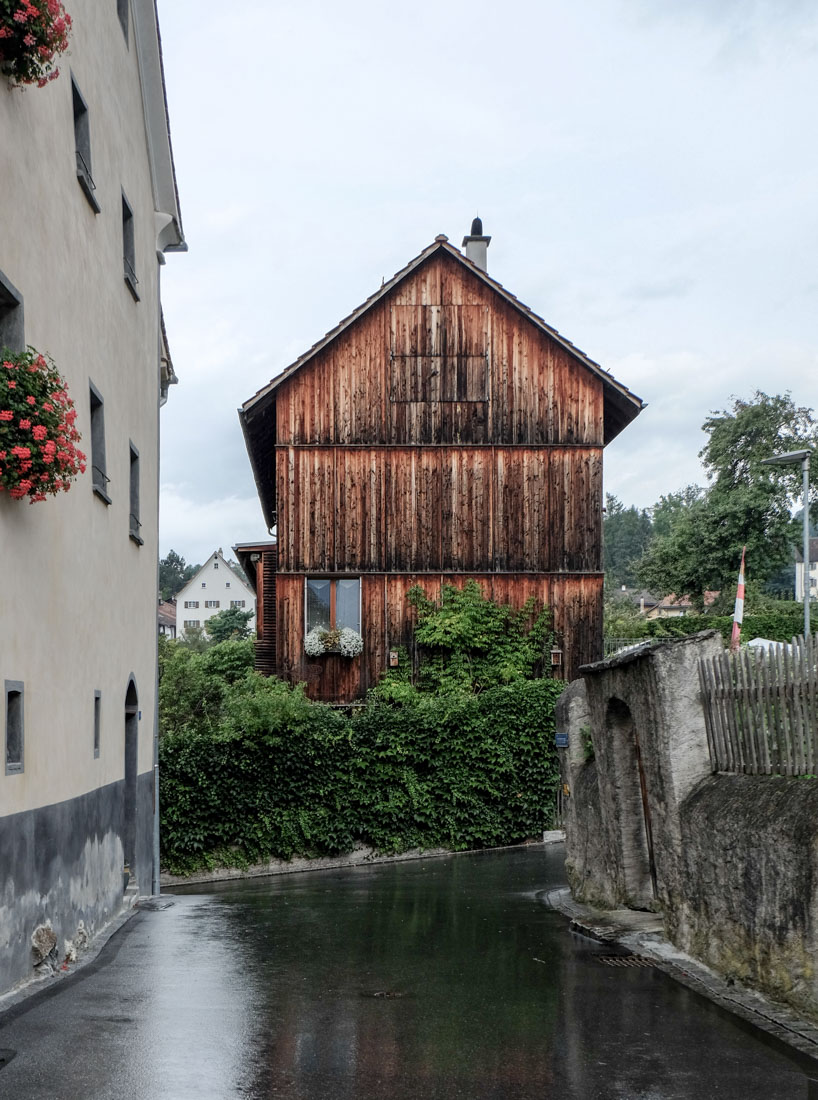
648 171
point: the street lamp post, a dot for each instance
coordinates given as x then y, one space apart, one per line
786 460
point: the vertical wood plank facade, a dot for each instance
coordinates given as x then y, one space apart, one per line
441 436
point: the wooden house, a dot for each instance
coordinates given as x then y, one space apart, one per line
441 432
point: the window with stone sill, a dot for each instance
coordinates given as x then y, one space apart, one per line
99 477
12 329
129 249
122 12
82 144
134 525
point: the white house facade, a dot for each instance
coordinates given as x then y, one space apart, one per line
215 588
88 207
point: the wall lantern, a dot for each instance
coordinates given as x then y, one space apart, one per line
393 658
556 658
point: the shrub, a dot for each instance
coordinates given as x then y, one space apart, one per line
251 769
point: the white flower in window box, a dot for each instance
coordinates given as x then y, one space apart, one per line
345 641
314 642
350 643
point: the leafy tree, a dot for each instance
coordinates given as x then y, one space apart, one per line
626 533
230 623
668 509
237 569
174 574
621 618
194 639
747 503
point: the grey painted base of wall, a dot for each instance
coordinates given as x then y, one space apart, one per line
62 864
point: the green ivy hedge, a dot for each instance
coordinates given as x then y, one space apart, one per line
250 769
282 776
778 624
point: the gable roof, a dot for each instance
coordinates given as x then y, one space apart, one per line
620 405
207 567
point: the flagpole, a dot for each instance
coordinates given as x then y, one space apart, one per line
738 613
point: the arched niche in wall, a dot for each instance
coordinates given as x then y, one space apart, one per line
131 760
637 867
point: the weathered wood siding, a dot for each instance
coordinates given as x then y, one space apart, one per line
388 621
492 509
442 435
444 359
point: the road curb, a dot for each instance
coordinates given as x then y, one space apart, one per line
642 934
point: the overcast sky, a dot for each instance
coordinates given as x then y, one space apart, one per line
647 169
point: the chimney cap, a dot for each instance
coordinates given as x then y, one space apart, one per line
475 236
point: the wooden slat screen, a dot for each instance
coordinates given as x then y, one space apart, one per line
761 709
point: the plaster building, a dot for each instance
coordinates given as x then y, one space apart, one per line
166 618
215 588
443 431
88 208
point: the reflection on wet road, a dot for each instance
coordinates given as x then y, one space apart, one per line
433 979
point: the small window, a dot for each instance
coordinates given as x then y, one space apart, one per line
14 726
192 622
12 331
129 249
100 479
237 603
204 584
211 603
215 565
334 604
133 523
191 603
97 709
227 584
122 12
82 143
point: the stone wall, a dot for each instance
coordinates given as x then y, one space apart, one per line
637 747
731 861
748 903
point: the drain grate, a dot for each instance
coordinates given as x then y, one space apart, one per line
155 904
6 1056
624 960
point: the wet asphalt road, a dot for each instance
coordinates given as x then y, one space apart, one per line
446 978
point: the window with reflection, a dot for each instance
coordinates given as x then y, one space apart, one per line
333 604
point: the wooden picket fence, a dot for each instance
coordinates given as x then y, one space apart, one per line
761 709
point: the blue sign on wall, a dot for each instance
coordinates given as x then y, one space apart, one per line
561 740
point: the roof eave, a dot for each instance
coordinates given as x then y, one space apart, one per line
267 501
170 234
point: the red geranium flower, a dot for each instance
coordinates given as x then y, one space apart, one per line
55 461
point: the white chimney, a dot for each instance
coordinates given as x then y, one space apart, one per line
476 245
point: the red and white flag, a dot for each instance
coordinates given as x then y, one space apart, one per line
738 614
